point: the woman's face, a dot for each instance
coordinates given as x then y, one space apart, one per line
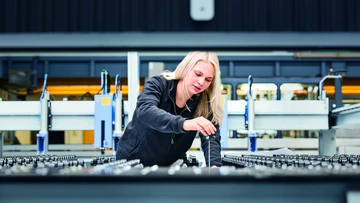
200 77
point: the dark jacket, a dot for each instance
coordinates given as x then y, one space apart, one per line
155 134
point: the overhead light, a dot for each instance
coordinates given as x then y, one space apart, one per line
291 86
259 86
272 87
202 10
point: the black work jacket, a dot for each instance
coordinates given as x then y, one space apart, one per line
155 134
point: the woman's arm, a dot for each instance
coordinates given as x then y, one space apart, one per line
150 114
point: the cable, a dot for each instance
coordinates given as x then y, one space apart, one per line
118 85
44 87
42 96
105 82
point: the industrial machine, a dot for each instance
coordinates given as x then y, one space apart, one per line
244 177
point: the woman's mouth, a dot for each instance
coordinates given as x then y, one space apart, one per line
197 89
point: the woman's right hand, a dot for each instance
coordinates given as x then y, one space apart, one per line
200 124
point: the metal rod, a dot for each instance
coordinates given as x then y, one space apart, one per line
251 118
1 144
118 113
118 120
322 93
133 81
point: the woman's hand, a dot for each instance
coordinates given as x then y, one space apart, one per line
200 124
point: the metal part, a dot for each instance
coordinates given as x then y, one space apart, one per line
19 115
281 115
103 121
73 115
327 142
118 121
1 144
79 115
133 79
269 115
347 117
49 120
208 140
346 126
224 133
105 82
322 93
265 143
66 115
250 118
43 135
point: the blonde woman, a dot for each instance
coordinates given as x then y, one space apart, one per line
171 109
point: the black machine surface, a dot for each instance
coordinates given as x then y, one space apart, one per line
243 178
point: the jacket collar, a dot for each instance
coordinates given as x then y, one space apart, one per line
192 103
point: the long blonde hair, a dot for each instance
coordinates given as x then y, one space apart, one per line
212 95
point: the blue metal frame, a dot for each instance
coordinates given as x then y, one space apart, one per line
103 121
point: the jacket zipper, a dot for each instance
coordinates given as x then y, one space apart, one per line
174 105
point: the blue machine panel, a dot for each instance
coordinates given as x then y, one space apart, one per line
69 69
112 67
103 121
256 68
300 69
353 69
224 67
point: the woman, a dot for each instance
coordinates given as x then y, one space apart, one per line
171 109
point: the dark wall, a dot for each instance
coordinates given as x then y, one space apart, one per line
174 15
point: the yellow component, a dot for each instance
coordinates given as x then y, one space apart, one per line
222 100
24 137
76 90
73 137
95 89
349 89
88 137
105 101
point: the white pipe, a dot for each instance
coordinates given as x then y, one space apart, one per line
44 121
322 94
118 114
44 114
251 113
133 81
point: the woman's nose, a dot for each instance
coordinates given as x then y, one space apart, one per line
200 81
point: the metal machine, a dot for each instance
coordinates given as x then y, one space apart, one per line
88 115
326 177
103 115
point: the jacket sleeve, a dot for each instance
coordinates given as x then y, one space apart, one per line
215 148
148 112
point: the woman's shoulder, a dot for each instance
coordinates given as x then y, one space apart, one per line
158 80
